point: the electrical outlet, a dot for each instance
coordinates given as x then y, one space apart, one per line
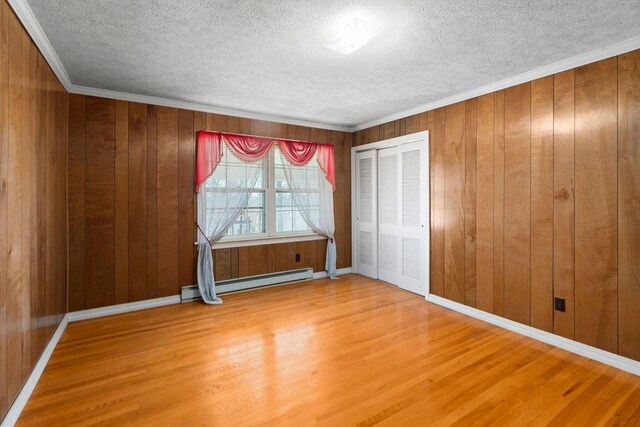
560 304
297 257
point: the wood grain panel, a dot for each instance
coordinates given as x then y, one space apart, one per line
42 90
137 213
152 202
29 201
344 259
99 202
4 171
498 205
235 263
222 264
12 130
244 262
596 160
628 205
517 203
281 257
186 199
76 202
258 260
437 286
564 202
542 204
484 209
454 202
167 202
33 205
470 203
122 202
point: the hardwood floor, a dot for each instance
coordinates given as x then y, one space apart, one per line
352 351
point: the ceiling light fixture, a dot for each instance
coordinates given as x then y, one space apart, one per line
352 36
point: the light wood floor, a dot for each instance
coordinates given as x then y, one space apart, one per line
352 351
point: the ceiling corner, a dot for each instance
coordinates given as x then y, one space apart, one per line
28 19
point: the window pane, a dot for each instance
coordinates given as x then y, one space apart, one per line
283 221
250 221
232 172
299 223
284 199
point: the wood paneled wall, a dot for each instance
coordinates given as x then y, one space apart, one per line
535 193
131 211
33 241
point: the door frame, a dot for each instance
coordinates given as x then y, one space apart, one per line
422 136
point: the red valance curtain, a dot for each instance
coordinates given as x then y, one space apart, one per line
253 148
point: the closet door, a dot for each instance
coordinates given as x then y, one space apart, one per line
366 230
389 215
403 230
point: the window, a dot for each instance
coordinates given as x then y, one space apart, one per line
271 211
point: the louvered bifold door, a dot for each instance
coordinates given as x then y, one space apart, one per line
366 230
389 216
414 205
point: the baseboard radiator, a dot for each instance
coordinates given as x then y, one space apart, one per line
190 293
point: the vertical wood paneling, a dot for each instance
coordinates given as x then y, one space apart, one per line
235 263
542 204
12 130
244 261
28 154
122 202
222 264
596 224
430 125
339 199
4 171
31 262
99 202
186 165
33 205
498 205
76 193
437 234
152 196
484 211
454 202
517 203
470 182
167 202
345 257
629 204
42 73
137 213
564 202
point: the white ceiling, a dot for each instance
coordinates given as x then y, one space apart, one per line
267 57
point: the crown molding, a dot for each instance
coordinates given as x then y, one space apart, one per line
28 19
556 67
168 102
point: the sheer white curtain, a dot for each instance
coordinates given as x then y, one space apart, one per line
313 196
224 197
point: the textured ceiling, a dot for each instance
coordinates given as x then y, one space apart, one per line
268 56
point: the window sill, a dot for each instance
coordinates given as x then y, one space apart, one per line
264 240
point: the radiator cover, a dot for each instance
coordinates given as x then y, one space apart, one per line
191 293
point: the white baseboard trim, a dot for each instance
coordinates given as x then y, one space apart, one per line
588 351
323 274
11 418
93 313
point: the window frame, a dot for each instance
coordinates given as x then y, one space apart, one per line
270 235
